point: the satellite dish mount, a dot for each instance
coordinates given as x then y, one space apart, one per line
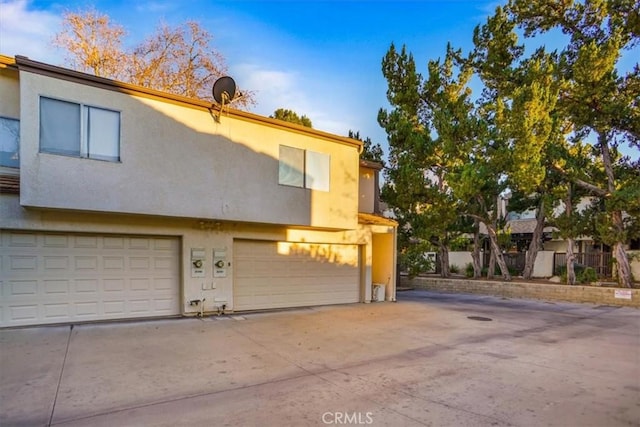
224 91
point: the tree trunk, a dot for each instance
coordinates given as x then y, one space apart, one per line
444 260
495 248
475 254
536 242
491 269
570 259
622 262
623 269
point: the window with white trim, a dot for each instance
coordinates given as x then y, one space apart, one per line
9 142
71 129
304 168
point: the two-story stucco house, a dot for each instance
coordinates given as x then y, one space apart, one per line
121 202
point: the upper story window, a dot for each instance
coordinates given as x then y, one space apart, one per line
304 168
77 130
9 142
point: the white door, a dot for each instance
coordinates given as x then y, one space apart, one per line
63 277
284 274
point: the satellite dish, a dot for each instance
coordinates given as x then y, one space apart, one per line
224 89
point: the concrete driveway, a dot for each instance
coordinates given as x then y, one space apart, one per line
420 361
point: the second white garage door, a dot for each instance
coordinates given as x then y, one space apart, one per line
283 274
58 278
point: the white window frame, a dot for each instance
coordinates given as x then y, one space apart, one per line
104 151
291 166
6 137
317 171
312 171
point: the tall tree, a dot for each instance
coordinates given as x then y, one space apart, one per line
507 146
598 100
291 117
177 60
521 97
572 222
428 129
93 43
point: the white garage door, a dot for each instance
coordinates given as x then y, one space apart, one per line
282 274
54 278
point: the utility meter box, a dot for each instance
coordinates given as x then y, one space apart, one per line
220 262
198 258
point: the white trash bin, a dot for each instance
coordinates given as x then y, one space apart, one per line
378 292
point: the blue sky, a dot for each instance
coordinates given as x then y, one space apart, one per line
318 58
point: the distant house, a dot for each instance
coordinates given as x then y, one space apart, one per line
587 250
121 202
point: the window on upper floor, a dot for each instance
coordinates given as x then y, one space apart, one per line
9 142
71 129
304 168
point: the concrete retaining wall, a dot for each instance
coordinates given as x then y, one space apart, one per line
543 291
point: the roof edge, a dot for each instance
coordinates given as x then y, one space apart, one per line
23 63
371 164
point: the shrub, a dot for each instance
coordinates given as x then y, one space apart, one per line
468 270
497 271
584 274
454 269
588 275
413 260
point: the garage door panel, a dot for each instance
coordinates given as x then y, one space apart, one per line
56 311
84 309
113 243
164 284
55 287
283 274
24 312
114 307
22 240
84 242
55 241
53 278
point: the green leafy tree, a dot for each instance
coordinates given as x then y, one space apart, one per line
291 117
572 223
370 151
428 130
520 104
597 98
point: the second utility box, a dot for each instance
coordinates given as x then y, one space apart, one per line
220 262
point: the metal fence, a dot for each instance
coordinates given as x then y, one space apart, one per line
599 261
515 261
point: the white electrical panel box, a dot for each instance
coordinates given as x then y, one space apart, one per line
220 263
198 258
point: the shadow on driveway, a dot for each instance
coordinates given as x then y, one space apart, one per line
421 361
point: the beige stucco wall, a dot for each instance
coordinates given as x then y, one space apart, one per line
184 173
9 93
194 233
366 190
180 161
383 265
